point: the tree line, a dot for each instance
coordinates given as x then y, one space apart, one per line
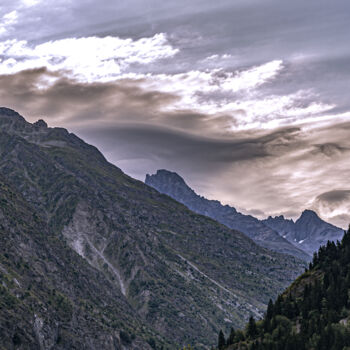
312 313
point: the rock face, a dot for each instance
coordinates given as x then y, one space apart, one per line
309 232
93 259
173 185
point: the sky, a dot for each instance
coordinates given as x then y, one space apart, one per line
248 100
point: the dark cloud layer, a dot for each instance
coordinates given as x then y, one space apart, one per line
336 205
331 149
334 196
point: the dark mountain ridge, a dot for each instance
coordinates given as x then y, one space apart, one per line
300 238
104 241
172 184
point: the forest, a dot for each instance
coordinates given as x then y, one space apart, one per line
313 313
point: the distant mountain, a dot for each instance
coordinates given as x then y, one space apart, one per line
93 259
173 185
308 233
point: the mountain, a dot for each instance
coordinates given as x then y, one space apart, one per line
174 186
50 298
93 259
308 233
313 313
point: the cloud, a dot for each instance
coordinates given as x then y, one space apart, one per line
87 59
335 205
331 149
238 94
125 99
216 80
272 171
212 92
7 21
334 196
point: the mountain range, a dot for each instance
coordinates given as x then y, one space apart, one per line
300 239
91 258
308 233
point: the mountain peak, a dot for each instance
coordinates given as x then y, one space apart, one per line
41 124
8 113
167 178
170 174
10 116
277 217
309 232
307 215
309 212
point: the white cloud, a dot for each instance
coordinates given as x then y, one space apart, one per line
10 17
238 94
214 91
7 21
194 84
219 57
86 59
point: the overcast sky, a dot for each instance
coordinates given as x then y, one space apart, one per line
248 100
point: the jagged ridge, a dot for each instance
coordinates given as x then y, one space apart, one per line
309 232
173 185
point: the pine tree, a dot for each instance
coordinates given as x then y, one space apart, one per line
231 337
221 340
252 330
269 312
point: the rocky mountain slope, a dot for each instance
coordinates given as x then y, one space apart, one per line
313 313
308 233
173 185
50 298
128 267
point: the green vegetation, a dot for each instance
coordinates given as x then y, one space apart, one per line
314 313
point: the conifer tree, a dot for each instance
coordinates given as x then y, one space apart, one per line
221 340
231 337
252 329
311 314
269 312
